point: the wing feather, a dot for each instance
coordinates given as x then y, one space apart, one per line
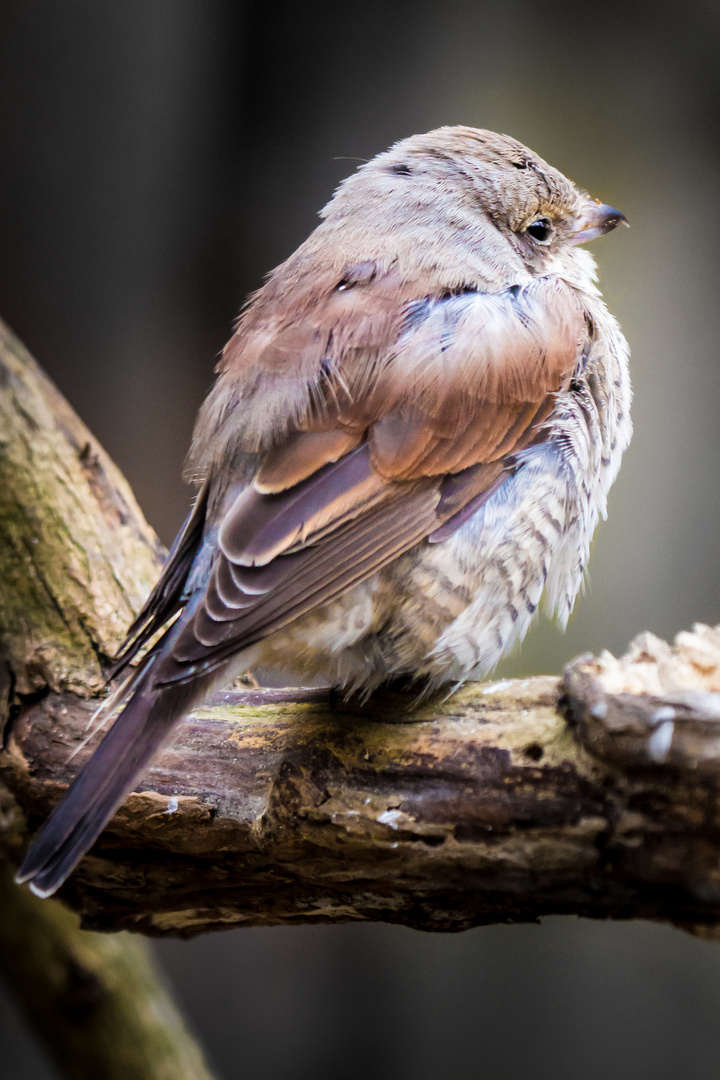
319 575
166 599
413 411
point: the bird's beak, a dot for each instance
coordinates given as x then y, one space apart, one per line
596 220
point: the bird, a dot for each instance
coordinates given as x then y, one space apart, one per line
408 446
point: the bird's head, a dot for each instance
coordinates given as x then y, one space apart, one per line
476 184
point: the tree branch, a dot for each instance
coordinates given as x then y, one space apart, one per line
95 999
596 795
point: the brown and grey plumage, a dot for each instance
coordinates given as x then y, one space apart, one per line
410 441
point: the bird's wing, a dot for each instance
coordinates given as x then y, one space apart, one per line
394 445
166 599
313 355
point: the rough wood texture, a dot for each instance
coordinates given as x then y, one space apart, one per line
291 806
77 558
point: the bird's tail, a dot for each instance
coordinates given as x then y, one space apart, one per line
104 782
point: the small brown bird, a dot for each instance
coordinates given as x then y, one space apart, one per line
410 441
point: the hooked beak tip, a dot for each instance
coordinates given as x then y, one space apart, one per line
613 217
598 220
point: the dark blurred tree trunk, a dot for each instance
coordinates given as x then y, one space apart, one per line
94 1000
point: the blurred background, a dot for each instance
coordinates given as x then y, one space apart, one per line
157 158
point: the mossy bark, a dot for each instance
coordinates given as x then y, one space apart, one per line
76 561
76 555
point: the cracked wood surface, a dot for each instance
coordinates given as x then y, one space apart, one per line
596 794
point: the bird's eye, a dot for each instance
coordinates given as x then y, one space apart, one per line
540 230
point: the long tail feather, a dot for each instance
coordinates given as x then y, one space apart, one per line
102 785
